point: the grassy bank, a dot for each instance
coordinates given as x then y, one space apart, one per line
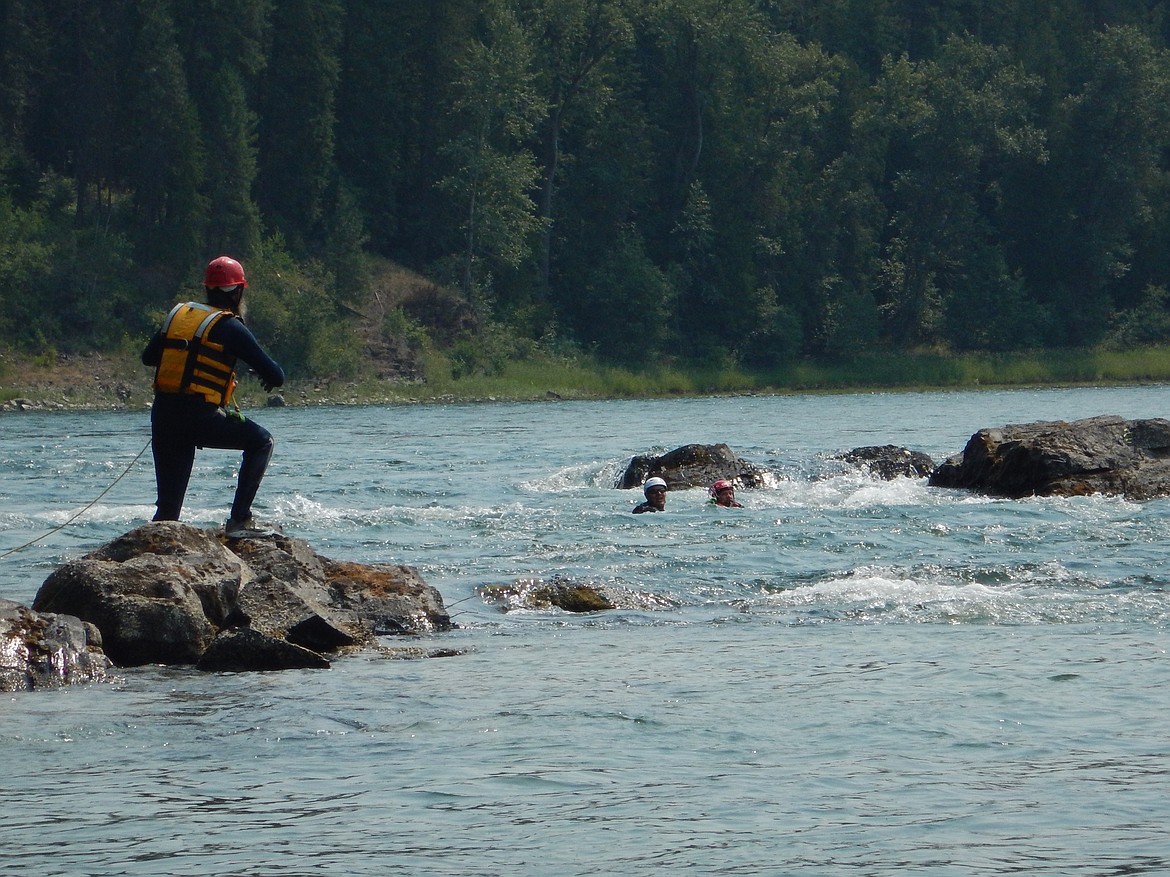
871 372
539 378
935 371
117 380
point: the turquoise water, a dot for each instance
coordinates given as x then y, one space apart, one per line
845 677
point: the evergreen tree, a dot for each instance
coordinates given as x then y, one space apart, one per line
23 59
710 179
162 153
1105 184
234 218
573 39
297 119
223 47
492 174
943 131
74 125
393 108
609 209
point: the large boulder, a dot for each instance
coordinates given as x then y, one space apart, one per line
1105 454
158 594
166 592
46 650
692 466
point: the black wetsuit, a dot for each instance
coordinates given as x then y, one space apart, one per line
647 506
182 422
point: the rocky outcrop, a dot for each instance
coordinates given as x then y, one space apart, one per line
890 461
46 650
692 466
169 593
1105 454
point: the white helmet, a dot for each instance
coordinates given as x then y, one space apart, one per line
651 483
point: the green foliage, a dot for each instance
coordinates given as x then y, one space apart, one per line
397 326
577 43
297 121
625 302
345 240
331 352
488 351
716 183
776 338
988 309
161 145
65 286
1142 326
293 309
234 219
27 256
1107 173
492 173
946 128
847 321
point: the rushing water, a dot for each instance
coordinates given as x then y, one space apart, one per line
845 677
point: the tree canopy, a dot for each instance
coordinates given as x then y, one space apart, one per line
705 181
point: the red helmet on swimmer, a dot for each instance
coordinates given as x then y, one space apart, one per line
224 271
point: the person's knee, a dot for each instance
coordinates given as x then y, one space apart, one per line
261 442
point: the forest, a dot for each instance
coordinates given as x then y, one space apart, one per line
635 181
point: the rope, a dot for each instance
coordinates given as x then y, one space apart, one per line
456 603
60 527
464 600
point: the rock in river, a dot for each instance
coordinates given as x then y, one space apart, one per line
692 466
165 592
1106 454
46 650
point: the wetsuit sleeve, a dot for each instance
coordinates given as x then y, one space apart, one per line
238 340
152 353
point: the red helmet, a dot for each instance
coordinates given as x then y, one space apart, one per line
224 271
721 484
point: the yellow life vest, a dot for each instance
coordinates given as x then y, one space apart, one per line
191 363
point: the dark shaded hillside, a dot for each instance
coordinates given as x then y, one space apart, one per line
712 183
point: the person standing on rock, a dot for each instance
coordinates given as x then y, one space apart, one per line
194 355
655 491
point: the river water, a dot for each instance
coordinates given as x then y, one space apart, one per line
846 676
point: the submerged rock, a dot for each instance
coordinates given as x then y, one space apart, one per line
167 592
890 461
692 466
559 592
570 595
1105 454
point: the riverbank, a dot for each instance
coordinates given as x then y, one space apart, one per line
103 381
